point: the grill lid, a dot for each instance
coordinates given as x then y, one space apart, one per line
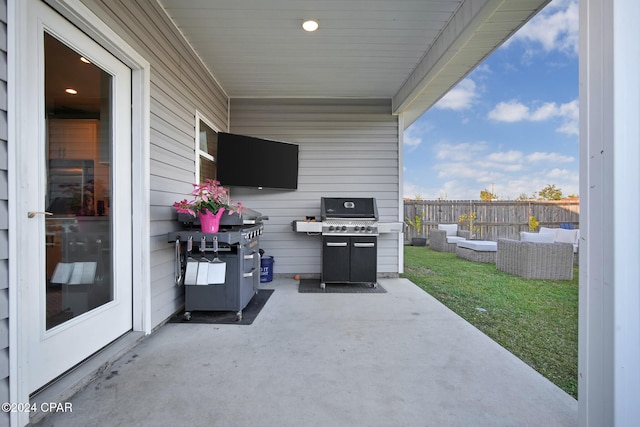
348 208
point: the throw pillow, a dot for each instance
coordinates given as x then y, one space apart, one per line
553 231
526 236
450 229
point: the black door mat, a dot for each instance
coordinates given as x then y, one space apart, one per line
312 286
249 313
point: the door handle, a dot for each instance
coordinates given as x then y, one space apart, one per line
336 244
32 214
364 245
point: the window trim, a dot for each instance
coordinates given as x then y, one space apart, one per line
197 152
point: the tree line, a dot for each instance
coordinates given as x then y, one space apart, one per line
549 192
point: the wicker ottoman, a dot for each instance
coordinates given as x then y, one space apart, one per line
477 250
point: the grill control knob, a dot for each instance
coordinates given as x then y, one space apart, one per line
331 227
357 228
344 228
369 228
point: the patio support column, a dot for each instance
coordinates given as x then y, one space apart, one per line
609 319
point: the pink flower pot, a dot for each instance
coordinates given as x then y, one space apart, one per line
210 222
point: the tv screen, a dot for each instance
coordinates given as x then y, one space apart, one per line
245 161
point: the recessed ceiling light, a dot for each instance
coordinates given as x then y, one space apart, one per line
71 91
310 25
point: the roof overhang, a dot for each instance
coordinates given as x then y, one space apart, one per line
411 52
476 30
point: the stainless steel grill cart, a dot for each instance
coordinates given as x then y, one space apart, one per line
199 258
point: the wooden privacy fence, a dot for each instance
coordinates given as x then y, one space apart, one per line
490 220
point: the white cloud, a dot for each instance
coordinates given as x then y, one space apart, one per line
413 191
536 180
483 68
513 111
569 128
549 157
499 167
570 114
461 97
507 185
506 157
424 191
465 169
411 140
455 190
562 175
456 170
547 111
554 28
510 111
412 137
459 152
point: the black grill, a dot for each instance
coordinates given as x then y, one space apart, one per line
349 217
237 245
349 208
349 240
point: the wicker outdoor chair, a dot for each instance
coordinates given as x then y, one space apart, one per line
438 240
531 260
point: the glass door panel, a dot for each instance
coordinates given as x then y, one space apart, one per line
78 184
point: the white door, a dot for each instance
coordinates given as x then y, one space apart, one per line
74 266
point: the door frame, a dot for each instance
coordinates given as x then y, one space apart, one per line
83 18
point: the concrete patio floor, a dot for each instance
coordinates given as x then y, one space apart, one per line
395 359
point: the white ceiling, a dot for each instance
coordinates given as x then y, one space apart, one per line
412 51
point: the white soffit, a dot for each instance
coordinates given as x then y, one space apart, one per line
410 51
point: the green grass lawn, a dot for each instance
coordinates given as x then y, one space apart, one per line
536 320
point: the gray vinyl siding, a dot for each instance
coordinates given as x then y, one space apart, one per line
4 219
180 86
347 148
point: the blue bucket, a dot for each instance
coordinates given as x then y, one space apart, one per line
266 269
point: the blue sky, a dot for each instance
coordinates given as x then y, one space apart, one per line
511 125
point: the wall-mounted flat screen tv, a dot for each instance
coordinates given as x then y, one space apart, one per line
246 161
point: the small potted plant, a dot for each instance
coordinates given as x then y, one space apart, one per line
416 222
210 201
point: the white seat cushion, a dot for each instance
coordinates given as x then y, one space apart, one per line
479 245
526 236
455 239
450 229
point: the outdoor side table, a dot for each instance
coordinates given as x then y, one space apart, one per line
477 250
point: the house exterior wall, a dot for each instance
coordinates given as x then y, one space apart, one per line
4 217
180 86
347 148
609 309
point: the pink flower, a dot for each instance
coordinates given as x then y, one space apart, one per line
209 196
